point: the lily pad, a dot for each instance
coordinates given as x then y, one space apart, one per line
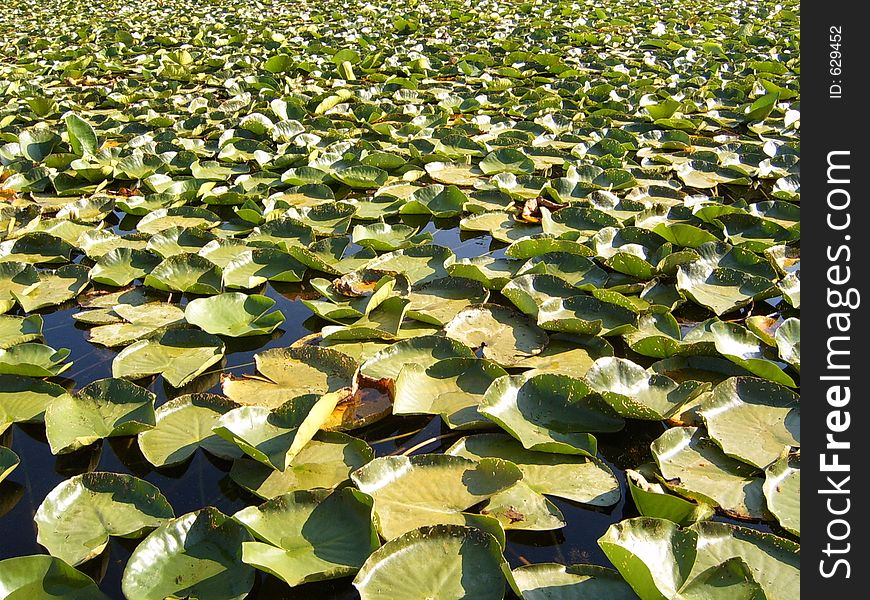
120 266
25 399
549 413
184 424
252 268
636 394
287 373
18 330
275 437
77 517
450 553
21 576
451 388
104 408
185 273
552 581
427 489
694 466
325 462
504 336
422 351
32 359
753 419
782 489
234 314
438 301
53 288
310 536
745 349
180 355
198 555
15 277
577 478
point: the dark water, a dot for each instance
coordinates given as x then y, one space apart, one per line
204 480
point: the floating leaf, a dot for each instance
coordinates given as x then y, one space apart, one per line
310 535
234 314
77 517
548 412
551 581
104 408
694 466
275 437
32 359
184 424
325 462
450 553
198 555
55 579
18 330
505 336
410 492
782 489
180 355
451 388
752 419
288 373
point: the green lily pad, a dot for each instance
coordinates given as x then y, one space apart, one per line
788 341
423 351
451 388
506 160
436 200
577 478
19 330
782 489
32 359
548 412
752 419
53 288
439 301
15 277
22 576
287 373
8 461
427 489
25 399
252 268
384 237
450 552
552 581
692 465
586 315
722 290
234 314
104 408
461 174
138 321
325 462
660 560
198 555
311 535
275 437
185 273
505 336
184 424
652 499
636 394
182 216
493 273
77 517
120 266
180 355
745 349
420 265
36 247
